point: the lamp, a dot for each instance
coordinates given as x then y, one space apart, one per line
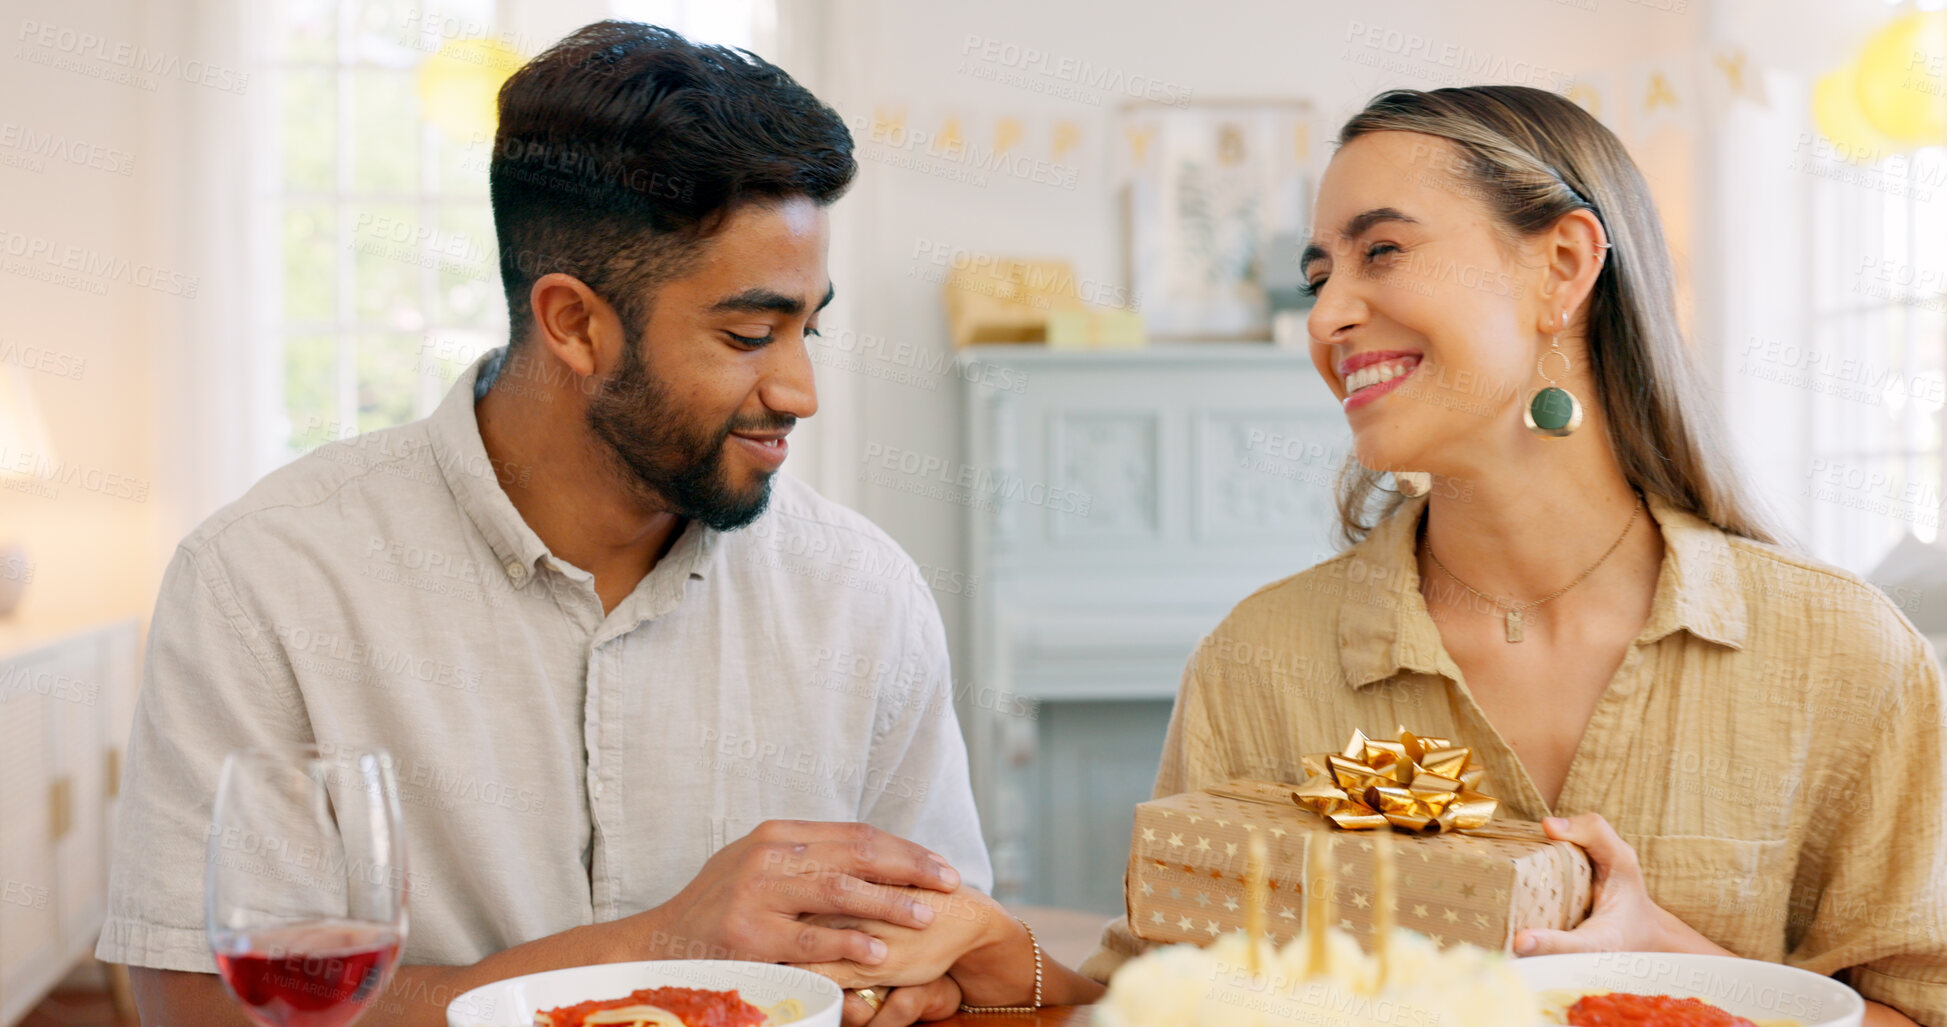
24 448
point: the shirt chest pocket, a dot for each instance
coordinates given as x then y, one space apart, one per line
1734 891
724 830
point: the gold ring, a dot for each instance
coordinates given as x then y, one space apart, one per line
871 997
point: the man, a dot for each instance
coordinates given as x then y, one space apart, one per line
647 697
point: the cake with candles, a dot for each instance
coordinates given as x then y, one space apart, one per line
1322 976
1423 986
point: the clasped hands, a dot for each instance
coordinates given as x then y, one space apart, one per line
860 906
972 951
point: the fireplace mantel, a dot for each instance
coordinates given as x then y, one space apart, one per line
1132 498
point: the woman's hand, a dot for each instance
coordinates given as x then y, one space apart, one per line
962 921
1624 918
1001 972
903 1006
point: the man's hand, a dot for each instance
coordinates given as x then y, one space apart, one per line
747 901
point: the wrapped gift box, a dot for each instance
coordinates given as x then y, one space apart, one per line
1187 861
1007 300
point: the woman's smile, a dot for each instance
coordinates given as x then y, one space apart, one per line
1368 376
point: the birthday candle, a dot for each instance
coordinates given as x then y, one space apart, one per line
1318 902
1382 894
1256 896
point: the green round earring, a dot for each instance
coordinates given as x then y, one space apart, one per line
1552 412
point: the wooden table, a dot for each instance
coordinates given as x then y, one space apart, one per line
1053 1016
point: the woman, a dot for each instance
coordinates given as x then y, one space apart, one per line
1748 744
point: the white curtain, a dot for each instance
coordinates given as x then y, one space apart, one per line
215 378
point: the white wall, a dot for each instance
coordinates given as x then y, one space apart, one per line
90 536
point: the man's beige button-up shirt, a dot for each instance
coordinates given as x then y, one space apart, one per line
557 765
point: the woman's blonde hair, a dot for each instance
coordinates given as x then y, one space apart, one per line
1530 157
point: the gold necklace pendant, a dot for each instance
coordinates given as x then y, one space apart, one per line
1514 615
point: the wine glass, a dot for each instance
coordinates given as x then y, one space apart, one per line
305 883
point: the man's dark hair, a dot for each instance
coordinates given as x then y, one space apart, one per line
623 148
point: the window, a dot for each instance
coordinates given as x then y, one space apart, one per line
1879 340
388 279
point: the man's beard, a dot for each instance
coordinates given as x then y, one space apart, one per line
663 458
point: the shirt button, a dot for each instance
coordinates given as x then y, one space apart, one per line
595 788
517 571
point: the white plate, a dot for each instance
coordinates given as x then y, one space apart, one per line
514 1001
1749 988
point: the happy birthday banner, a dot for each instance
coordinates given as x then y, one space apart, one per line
1682 91
1057 149
1890 98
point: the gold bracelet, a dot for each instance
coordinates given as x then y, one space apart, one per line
1036 946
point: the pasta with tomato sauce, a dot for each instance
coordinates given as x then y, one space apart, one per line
671 1007
1624 1009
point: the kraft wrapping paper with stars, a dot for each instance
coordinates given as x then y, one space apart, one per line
1187 863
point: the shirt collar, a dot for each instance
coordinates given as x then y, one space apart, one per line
1699 589
454 433
1384 627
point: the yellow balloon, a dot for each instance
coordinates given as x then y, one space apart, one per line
1835 110
1902 78
459 86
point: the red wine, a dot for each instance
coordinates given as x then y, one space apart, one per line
308 975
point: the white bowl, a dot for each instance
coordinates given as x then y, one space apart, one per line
514 1001
1755 990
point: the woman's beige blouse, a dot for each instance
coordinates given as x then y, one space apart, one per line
1773 743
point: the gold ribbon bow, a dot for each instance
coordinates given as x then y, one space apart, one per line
1420 784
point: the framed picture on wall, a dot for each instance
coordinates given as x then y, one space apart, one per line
1206 188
